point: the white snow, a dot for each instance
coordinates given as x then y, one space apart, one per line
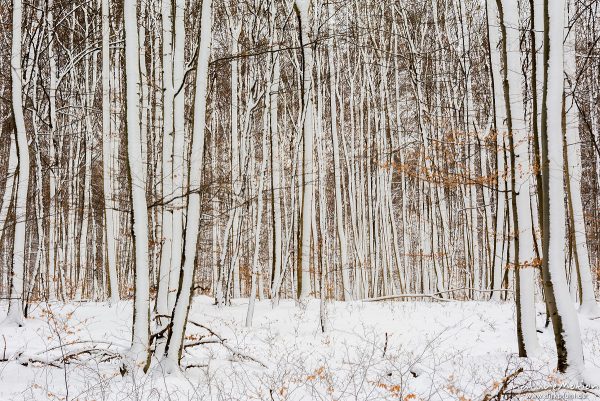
434 351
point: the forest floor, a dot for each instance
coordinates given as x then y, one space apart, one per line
371 351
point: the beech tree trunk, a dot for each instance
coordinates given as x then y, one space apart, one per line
564 318
184 293
137 182
17 276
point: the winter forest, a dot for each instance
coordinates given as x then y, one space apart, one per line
299 200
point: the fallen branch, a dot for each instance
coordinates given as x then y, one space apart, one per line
194 365
243 355
436 296
505 382
202 341
205 328
222 341
67 357
552 390
397 296
472 289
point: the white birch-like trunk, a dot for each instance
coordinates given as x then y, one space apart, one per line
166 279
236 160
304 284
178 203
215 209
568 336
13 162
276 165
184 294
16 302
141 317
339 210
523 181
588 307
107 155
494 39
259 208
87 174
53 213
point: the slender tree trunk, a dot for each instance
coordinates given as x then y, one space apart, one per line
17 276
259 209
276 165
520 181
564 319
52 141
107 149
236 159
137 182
167 274
304 285
588 307
499 113
178 205
184 294
339 210
7 197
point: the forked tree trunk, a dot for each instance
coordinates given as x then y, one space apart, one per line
184 294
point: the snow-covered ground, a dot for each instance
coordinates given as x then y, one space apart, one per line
372 351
